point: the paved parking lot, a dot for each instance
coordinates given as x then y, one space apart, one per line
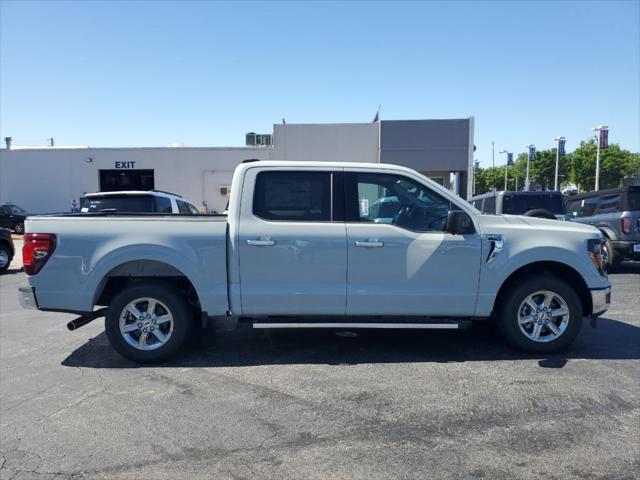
287 404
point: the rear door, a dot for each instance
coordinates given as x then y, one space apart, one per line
292 242
405 263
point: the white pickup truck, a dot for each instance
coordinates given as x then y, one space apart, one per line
318 245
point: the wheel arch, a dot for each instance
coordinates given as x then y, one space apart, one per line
557 269
133 271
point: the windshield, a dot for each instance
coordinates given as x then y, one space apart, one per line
521 204
118 203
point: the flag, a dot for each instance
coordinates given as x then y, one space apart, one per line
509 159
561 152
283 120
532 153
604 138
377 117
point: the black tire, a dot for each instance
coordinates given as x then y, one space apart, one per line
19 228
175 304
512 300
5 253
611 257
540 213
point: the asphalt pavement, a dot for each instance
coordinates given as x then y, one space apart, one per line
320 405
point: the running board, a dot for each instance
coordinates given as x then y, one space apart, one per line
448 325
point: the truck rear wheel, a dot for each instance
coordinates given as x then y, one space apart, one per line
540 314
148 322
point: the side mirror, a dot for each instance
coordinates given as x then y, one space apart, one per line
459 223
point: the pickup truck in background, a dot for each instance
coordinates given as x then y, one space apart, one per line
304 246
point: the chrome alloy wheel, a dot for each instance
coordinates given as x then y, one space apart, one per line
146 323
543 316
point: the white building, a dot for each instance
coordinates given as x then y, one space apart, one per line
50 179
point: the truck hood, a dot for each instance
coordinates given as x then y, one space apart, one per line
498 223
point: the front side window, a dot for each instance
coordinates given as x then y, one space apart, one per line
395 200
293 196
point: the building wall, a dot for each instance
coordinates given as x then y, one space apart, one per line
47 180
339 142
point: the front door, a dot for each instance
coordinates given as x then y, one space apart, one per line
401 261
292 243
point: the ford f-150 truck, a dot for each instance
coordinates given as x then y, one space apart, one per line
302 247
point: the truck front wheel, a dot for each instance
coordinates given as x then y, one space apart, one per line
148 322
540 314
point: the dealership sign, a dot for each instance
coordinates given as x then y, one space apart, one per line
131 164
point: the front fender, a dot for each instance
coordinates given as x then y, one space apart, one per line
493 275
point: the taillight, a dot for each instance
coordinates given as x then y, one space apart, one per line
625 225
37 249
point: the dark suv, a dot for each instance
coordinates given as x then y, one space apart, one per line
12 217
616 212
532 204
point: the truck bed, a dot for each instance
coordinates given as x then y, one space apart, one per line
90 248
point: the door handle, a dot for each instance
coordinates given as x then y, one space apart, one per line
369 244
261 243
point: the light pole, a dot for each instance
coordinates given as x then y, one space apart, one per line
526 180
506 167
557 140
598 129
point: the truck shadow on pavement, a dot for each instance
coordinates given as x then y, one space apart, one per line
611 340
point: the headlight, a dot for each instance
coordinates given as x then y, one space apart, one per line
594 247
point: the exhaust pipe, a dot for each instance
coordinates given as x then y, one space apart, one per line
83 320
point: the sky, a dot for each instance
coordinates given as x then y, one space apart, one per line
150 73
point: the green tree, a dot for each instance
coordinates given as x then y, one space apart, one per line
615 164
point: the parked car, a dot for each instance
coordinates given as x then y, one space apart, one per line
531 204
300 248
137 202
616 213
12 217
6 249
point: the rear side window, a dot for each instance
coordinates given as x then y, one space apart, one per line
163 205
193 209
633 199
489 205
293 196
183 208
118 203
609 204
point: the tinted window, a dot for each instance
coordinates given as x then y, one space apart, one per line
293 196
609 204
396 200
16 210
574 208
633 199
489 205
163 205
515 204
118 203
193 209
183 208
588 206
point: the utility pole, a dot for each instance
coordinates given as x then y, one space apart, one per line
559 146
506 167
599 129
531 151
493 154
